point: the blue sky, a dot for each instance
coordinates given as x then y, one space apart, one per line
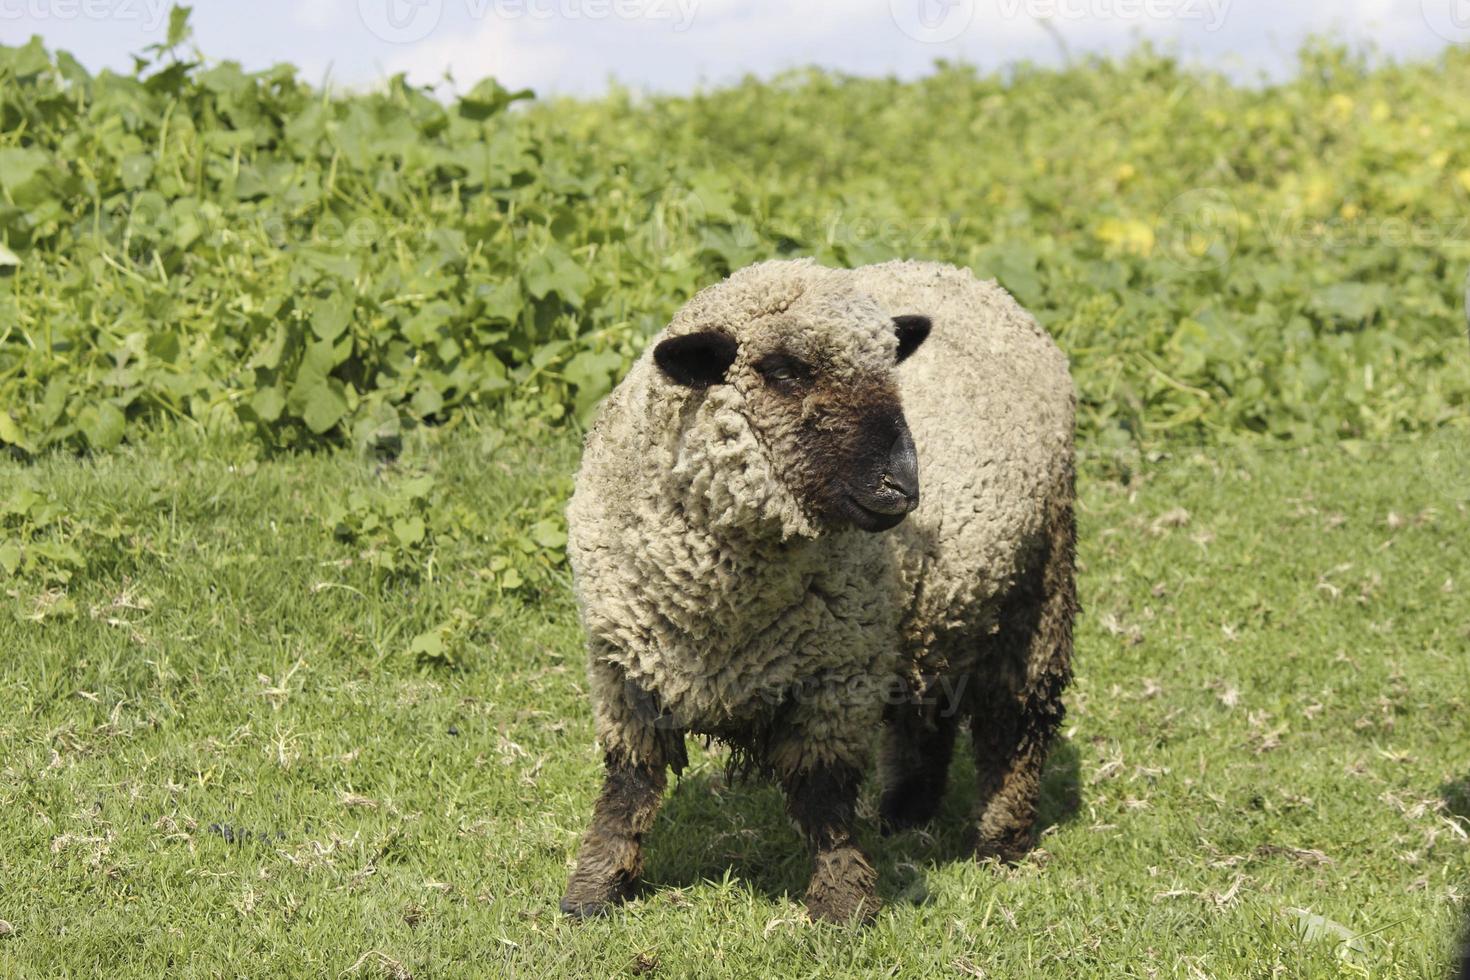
576 46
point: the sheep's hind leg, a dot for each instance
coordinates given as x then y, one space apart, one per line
1010 751
1013 724
640 744
913 763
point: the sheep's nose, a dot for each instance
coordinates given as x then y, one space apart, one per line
901 476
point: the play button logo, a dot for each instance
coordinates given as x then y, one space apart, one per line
1450 19
932 21
400 21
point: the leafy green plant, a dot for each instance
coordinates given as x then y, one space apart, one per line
197 245
402 525
390 526
44 542
38 540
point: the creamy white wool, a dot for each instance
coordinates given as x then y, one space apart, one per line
699 576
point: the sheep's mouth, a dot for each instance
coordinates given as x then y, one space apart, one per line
877 514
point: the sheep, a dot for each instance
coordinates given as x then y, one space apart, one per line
752 564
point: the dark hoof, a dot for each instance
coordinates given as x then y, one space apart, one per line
906 807
860 910
585 910
843 889
1009 851
594 895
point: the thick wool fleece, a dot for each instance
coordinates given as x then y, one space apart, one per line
710 596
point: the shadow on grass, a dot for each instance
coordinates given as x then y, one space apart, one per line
1456 795
711 829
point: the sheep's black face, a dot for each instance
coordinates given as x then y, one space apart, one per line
853 460
832 424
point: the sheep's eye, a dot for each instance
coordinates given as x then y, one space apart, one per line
781 371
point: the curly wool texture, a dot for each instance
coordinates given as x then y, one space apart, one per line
715 603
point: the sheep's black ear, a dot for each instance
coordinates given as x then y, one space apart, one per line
912 330
695 360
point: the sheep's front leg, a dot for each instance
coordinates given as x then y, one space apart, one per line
820 755
640 743
611 856
823 801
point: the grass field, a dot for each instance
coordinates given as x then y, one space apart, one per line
246 736
289 380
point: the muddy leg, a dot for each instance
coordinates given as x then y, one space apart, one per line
823 802
1013 723
640 744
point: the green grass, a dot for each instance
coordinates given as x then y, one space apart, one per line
220 755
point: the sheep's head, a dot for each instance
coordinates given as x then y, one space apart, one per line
811 364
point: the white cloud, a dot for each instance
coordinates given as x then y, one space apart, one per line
518 53
314 15
575 46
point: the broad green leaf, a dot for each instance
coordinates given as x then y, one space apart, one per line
28 60
487 98
549 534
325 404
268 403
427 401
418 487
592 370
1351 301
554 271
429 644
330 316
18 166
503 302
10 555
10 432
103 424
136 170
409 531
